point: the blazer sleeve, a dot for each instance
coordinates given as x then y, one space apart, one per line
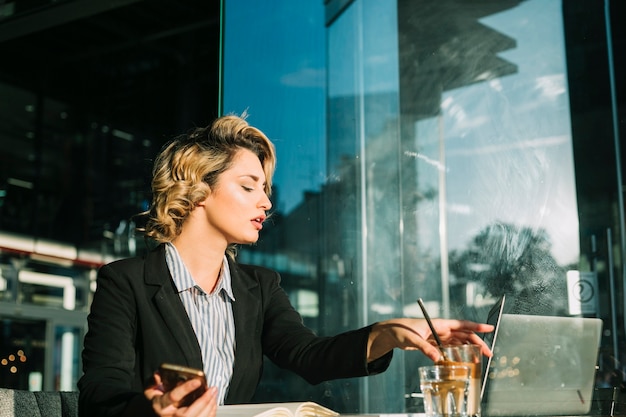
291 345
108 387
136 323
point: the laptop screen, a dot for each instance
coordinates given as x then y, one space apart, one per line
493 318
542 365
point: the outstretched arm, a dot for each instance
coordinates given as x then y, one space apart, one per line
415 334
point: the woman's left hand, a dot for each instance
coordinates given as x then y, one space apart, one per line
166 404
415 334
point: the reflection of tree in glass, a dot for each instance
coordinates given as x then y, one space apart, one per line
516 261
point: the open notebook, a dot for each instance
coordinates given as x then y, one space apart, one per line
542 365
290 409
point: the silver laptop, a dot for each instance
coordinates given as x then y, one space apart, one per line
542 365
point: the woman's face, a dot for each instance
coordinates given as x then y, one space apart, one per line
236 207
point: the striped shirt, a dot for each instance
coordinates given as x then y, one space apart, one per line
211 316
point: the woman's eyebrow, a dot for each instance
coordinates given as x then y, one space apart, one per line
253 177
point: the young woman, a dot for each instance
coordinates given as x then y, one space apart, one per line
190 303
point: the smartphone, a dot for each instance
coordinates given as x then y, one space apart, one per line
174 375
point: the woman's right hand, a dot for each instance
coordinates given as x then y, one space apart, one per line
165 403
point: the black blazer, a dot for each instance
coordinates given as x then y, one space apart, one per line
137 322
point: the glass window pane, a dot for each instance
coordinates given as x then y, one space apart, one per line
460 165
67 348
22 353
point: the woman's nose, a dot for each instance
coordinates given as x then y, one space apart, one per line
265 203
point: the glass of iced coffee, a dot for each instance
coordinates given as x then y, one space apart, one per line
445 388
470 356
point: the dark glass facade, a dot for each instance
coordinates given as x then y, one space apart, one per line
89 91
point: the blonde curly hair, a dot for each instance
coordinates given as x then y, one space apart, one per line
187 168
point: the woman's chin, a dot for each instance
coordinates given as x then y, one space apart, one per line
249 240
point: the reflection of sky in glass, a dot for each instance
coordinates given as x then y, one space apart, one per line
363 77
508 142
274 66
376 39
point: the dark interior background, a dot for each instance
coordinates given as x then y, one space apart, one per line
90 90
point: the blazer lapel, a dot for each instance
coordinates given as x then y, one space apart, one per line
167 301
248 322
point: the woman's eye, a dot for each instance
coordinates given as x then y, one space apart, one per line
247 188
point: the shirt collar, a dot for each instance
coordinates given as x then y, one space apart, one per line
183 279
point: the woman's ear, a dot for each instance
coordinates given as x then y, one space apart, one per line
203 202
